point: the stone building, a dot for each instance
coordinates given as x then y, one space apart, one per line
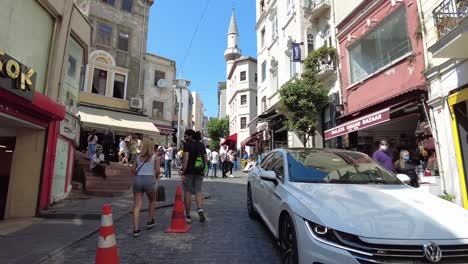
221 99
198 112
159 95
112 96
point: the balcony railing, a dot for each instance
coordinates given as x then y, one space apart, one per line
448 15
315 8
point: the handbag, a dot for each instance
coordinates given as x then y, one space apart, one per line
160 194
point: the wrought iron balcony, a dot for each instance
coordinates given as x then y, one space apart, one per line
316 8
448 15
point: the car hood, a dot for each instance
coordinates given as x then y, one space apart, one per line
382 211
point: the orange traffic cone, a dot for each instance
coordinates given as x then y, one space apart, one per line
107 246
178 224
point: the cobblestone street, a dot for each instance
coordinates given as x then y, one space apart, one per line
228 236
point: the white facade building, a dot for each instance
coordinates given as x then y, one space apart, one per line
198 112
279 24
446 39
186 108
241 87
159 100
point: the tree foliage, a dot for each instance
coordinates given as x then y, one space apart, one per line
217 128
302 100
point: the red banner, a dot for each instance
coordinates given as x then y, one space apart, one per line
359 123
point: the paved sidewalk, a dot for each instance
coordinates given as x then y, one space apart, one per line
33 240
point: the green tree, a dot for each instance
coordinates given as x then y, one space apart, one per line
217 128
302 100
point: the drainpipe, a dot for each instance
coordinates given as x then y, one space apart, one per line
141 55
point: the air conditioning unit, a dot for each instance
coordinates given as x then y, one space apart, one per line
136 103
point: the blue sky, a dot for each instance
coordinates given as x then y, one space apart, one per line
171 26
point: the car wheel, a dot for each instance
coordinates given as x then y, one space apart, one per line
250 208
288 241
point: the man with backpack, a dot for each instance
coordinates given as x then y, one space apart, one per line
193 170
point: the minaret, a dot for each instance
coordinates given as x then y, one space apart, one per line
232 52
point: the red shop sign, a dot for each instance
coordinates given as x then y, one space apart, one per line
359 123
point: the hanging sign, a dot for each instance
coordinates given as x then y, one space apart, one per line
16 77
296 48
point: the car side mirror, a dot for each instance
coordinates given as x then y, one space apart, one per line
269 176
404 178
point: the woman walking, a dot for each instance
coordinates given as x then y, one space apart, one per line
92 141
146 168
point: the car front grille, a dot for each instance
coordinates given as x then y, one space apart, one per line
399 254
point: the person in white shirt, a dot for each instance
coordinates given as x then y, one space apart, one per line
214 163
98 163
208 160
224 160
168 152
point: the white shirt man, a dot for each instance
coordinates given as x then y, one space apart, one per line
214 157
96 159
168 153
208 154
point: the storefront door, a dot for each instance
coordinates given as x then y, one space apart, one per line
7 147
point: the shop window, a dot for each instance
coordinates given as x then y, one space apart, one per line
109 2
99 82
123 41
387 43
119 86
243 122
243 75
105 35
127 5
34 54
158 109
243 99
158 75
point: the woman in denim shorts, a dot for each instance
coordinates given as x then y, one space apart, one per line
145 167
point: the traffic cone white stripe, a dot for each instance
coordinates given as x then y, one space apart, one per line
106 220
107 242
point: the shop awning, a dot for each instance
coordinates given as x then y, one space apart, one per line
165 129
370 120
252 138
232 137
95 118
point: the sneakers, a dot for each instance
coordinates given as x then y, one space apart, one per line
150 224
136 233
201 214
188 220
231 176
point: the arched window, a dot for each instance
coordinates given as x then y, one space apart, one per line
310 42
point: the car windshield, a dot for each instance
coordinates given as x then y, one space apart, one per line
338 167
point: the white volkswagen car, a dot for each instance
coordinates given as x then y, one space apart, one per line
339 207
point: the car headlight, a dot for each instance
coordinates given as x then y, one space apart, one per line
333 238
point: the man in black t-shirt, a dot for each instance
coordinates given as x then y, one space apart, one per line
192 178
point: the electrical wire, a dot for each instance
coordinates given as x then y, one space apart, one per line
187 53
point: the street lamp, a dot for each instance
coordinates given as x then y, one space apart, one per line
180 83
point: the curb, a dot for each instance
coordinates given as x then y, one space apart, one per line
89 234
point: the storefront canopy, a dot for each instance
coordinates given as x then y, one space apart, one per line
231 138
253 138
95 118
165 129
370 120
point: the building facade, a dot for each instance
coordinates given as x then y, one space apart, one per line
445 35
159 95
383 85
198 112
113 93
38 63
241 89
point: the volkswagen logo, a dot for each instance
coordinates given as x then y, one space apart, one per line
432 252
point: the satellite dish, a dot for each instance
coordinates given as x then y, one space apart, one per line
162 83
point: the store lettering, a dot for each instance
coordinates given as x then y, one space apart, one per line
372 119
16 77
